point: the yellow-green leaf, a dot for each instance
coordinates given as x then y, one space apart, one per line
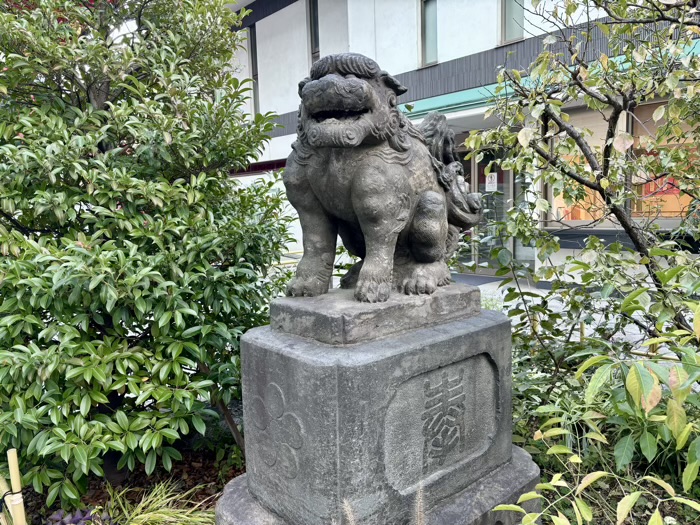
525 135
597 436
690 503
675 417
661 483
559 449
656 518
683 436
588 363
530 519
510 507
529 496
597 381
584 509
676 378
659 113
590 478
624 506
552 432
551 421
560 519
690 474
633 384
579 519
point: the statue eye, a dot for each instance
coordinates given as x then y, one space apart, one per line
350 75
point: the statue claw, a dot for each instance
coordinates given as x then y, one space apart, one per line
369 291
300 287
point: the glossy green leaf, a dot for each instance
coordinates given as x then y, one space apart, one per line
624 451
647 444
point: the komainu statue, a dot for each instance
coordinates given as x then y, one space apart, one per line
394 192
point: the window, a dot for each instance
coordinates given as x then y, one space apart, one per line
571 203
313 33
253 54
496 188
429 42
512 20
659 197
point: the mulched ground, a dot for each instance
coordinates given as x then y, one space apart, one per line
198 467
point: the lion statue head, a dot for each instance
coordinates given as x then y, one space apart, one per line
347 101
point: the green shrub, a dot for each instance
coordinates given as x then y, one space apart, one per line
607 363
131 262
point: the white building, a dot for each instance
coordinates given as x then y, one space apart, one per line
446 52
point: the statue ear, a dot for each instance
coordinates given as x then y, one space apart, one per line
302 84
392 83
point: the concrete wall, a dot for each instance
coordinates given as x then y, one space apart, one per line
361 27
397 31
465 28
387 31
334 35
535 25
284 57
241 67
278 147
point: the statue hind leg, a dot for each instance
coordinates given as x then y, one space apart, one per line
426 269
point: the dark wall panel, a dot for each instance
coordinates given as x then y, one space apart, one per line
469 72
264 8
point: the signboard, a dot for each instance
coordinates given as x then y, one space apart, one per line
491 182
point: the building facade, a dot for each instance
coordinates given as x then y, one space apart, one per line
446 52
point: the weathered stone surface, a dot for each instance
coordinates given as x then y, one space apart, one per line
471 506
394 192
506 484
372 403
237 507
334 318
372 422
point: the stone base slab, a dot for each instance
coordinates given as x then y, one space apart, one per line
336 318
472 506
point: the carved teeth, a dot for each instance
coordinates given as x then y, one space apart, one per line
338 115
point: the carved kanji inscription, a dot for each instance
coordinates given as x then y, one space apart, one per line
443 418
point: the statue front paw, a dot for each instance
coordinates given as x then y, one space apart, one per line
369 291
306 287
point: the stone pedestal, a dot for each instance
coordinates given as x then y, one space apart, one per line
372 403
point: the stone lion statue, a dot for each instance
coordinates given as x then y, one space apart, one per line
394 192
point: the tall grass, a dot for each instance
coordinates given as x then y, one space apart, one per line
164 505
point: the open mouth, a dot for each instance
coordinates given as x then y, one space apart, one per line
339 114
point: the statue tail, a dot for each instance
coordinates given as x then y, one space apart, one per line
463 207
